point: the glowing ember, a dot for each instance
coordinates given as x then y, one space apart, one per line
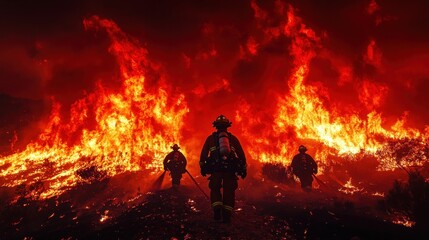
403 220
104 216
348 188
378 194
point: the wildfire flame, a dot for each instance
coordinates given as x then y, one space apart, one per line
301 115
131 128
115 131
349 188
403 220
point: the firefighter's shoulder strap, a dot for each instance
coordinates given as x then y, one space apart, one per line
215 143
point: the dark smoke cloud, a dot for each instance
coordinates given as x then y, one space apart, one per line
202 48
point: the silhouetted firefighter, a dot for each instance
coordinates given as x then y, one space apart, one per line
223 158
175 162
304 166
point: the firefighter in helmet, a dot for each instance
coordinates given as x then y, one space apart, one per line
304 166
223 158
175 162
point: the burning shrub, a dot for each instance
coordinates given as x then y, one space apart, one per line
91 174
403 152
410 199
29 192
277 172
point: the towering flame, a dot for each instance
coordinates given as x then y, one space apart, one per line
113 130
302 117
132 127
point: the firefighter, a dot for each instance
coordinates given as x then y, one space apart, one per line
223 158
175 162
304 166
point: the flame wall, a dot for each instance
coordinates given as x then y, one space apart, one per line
140 76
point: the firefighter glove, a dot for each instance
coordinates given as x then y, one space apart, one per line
203 168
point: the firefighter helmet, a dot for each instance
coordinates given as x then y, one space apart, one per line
175 147
221 122
302 148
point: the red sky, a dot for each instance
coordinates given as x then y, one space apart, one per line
204 49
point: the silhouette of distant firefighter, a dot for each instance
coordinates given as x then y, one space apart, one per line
304 166
175 162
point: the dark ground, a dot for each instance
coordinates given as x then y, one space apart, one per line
264 210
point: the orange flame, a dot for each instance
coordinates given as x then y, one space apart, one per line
116 131
132 127
302 117
403 220
349 188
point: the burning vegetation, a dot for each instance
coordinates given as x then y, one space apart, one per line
407 202
92 166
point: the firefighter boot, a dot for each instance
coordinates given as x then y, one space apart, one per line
226 214
217 213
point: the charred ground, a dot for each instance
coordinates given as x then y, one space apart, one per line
265 209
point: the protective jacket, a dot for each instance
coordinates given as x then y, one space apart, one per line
303 164
175 162
223 158
214 158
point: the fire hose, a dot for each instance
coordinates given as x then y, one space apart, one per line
325 185
205 194
319 181
158 182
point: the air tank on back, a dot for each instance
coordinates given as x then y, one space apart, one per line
224 146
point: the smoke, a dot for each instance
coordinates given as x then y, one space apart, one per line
201 44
